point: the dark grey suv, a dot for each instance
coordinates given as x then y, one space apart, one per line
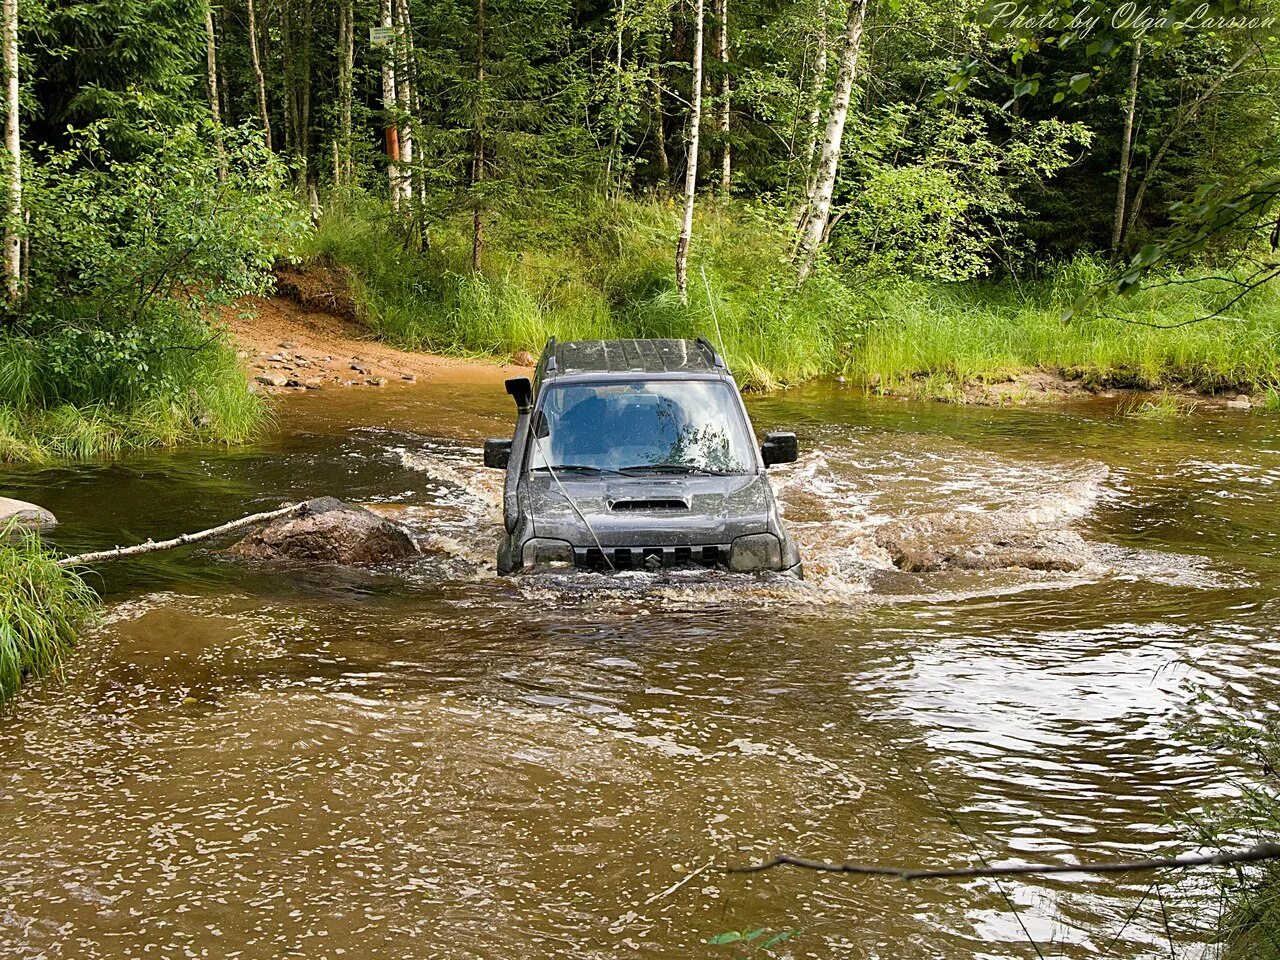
638 455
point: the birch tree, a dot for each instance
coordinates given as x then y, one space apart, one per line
816 218
405 95
260 80
1126 152
477 155
691 160
13 146
342 172
818 87
211 70
389 106
722 45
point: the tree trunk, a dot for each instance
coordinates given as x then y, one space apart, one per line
615 136
258 76
211 63
342 167
819 212
13 146
691 160
1126 153
659 124
405 94
477 158
389 108
815 114
726 149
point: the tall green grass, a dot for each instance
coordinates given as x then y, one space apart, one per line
48 412
41 609
1251 927
977 331
605 272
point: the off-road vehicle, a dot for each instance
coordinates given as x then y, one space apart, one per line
638 455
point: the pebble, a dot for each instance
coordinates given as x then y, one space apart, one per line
275 358
1239 404
408 378
376 381
286 345
272 380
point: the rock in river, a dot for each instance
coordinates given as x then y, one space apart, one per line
328 531
27 515
979 541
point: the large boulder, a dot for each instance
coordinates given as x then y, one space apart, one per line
979 541
328 531
26 515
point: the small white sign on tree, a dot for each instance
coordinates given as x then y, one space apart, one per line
381 36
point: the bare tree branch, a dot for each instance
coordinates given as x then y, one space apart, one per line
151 546
1257 854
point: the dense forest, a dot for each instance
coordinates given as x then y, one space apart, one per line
895 190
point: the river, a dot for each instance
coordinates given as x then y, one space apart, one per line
435 762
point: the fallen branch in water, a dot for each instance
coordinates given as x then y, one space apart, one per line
1263 851
151 546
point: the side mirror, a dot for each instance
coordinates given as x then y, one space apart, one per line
521 390
497 452
780 448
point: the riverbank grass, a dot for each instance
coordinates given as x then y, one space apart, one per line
606 271
919 333
45 415
41 609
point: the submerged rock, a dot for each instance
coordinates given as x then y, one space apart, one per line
27 516
328 531
979 541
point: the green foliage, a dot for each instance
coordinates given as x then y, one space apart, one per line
126 66
113 347
752 942
938 193
607 271
41 609
1250 927
1163 406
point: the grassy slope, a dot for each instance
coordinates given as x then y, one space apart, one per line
610 274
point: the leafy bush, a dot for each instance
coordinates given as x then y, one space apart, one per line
128 259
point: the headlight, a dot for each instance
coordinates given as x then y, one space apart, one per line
760 551
543 552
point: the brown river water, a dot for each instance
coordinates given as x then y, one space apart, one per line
432 761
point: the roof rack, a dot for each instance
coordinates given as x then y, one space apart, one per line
716 360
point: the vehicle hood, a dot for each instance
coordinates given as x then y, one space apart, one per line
643 511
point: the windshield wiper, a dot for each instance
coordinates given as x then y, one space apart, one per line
685 468
581 468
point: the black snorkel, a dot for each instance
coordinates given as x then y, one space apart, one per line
521 390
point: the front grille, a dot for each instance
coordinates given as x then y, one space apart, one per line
651 558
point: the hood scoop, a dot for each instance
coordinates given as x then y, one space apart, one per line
651 503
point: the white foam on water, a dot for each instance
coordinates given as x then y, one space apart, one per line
832 501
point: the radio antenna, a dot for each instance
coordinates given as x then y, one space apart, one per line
537 440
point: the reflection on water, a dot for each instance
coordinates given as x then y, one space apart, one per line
437 762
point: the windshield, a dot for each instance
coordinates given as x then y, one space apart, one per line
655 426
